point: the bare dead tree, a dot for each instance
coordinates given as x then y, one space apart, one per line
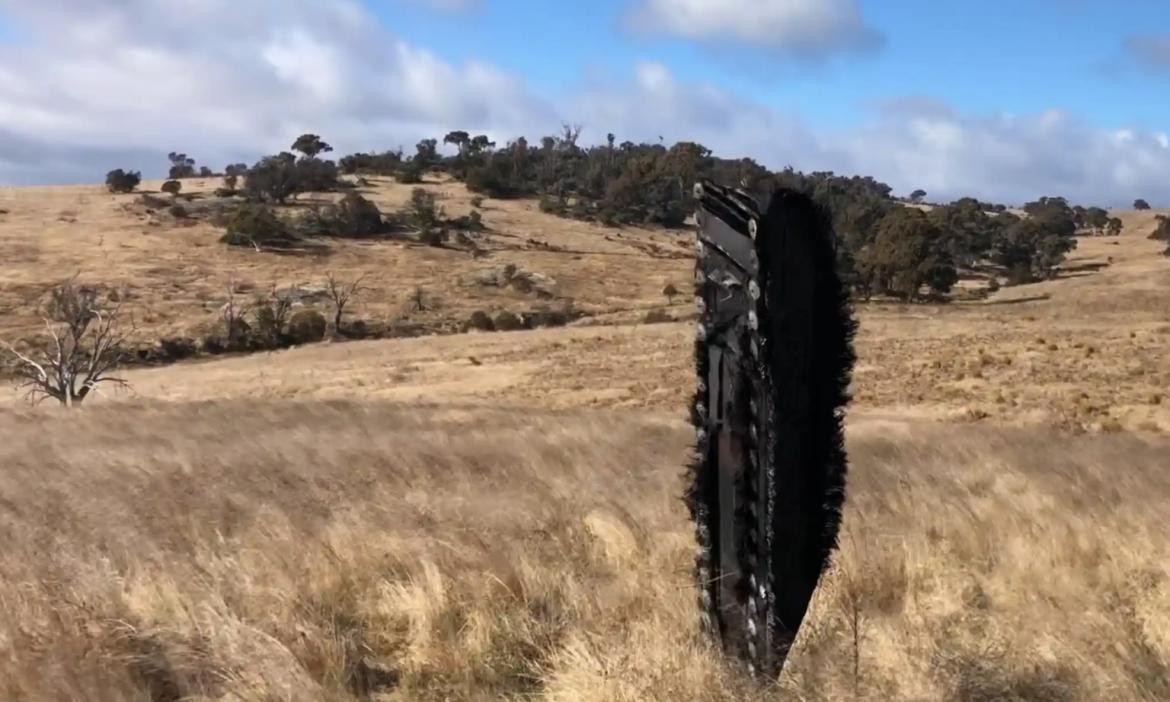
234 314
85 345
341 293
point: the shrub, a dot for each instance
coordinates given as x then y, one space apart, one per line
178 348
657 316
172 187
477 201
481 320
178 211
273 178
120 181
258 226
359 217
1140 204
313 175
409 174
423 213
306 326
507 321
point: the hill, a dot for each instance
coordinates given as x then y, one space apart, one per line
476 516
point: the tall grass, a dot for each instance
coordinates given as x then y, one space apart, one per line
342 551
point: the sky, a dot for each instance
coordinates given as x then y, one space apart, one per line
1005 101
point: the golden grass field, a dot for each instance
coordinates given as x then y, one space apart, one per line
487 516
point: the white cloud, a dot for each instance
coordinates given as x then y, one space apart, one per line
447 5
802 27
141 77
100 84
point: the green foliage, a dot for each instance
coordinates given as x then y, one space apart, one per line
273 178
310 145
1162 231
172 187
1029 250
423 214
917 196
385 164
906 254
353 217
1056 217
120 181
181 166
257 226
411 172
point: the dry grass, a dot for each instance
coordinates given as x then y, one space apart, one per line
337 551
492 516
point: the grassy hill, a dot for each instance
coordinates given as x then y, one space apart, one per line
477 516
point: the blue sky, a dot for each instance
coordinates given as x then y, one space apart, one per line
991 56
1004 100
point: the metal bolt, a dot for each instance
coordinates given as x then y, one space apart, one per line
701 331
700 304
698 190
701 410
754 290
753 320
700 277
701 435
753 228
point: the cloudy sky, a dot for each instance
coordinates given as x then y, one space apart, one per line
1003 99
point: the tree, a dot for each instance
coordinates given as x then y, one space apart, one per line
423 213
905 255
1114 226
917 196
272 178
310 145
205 172
341 293
1140 204
1029 250
172 187
426 153
120 181
1055 215
1097 219
460 139
86 345
181 166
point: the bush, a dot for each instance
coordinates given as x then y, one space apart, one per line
359 217
258 226
657 316
274 178
120 181
178 348
178 211
507 321
423 213
477 201
306 326
171 187
313 175
409 174
481 320
1140 204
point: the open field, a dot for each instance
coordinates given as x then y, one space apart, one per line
480 516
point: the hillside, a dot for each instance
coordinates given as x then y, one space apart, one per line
487 515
